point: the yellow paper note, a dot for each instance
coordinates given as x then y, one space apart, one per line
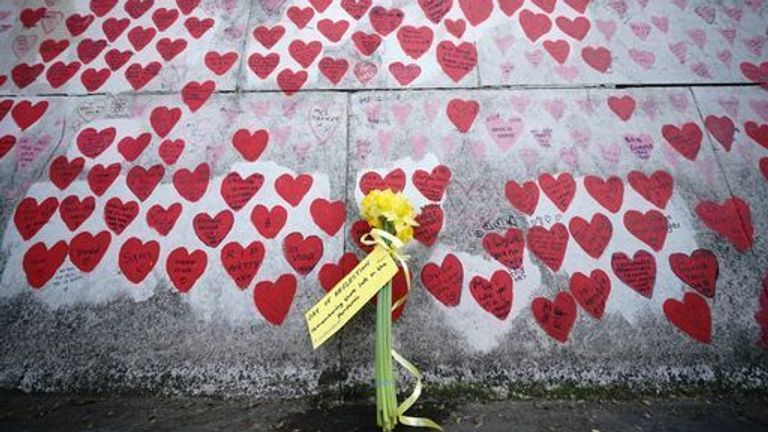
349 295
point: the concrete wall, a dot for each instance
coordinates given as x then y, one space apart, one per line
581 235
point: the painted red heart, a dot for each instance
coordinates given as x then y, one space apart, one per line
598 58
191 185
23 74
25 114
333 69
137 8
558 49
764 167
269 222
456 27
187 6
292 189
273 299
579 6
384 21
136 258
49 49
547 6
212 230
101 7
331 273
535 25
509 7
163 220
366 43
639 273
115 59
250 145
548 245
164 18
576 28
592 236
63 171
304 53
74 211
433 185
142 182
302 254
118 215
184 268
268 37
100 178
415 41
591 292
291 82
494 296
394 180
731 220
140 37
220 63
328 215
77 24
623 106
356 8
237 191
507 249
608 193
30 216
163 120
686 140
462 113
456 61
476 11
524 198
300 16
555 317
445 281
692 316
755 73
131 148
6 144
759 133
699 270
195 94
320 5
113 27
722 129
30 17
88 49
5 107
242 263
92 143
651 227
430 220
657 188
197 27
560 191
436 10
333 30
170 150
87 250
59 73
359 229
263 65
136 74
40 263
93 79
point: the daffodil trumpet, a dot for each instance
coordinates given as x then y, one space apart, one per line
391 218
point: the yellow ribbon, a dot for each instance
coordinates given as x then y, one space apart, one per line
392 245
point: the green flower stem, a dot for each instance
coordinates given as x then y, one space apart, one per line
386 395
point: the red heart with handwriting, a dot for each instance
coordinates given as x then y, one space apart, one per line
136 74
268 222
598 58
74 211
592 236
268 37
212 230
195 94
535 25
237 191
509 7
366 43
220 63
242 263
722 128
93 79
170 150
430 221
456 60
639 273
462 113
524 198
455 27
686 140
699 270
657 188
548 245
415 41
759 133
142 182
192 185
40 263
131 148
333 69
30 216
731 220
333 30
163 119
444 282
118 215
506 249
608 193
304 53
86 250
384 20
6 143
560 191
274 299
302 254
591 292
328 215
59 73
494 296
692 316
197 27
292 189
63 171
394 180
163 220
651 228
184 268
555 317
263 65
291 82
356 8
92 143
136 258
433 185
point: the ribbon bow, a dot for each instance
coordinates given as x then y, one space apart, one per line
392 244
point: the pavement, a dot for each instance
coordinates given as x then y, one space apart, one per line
66 412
